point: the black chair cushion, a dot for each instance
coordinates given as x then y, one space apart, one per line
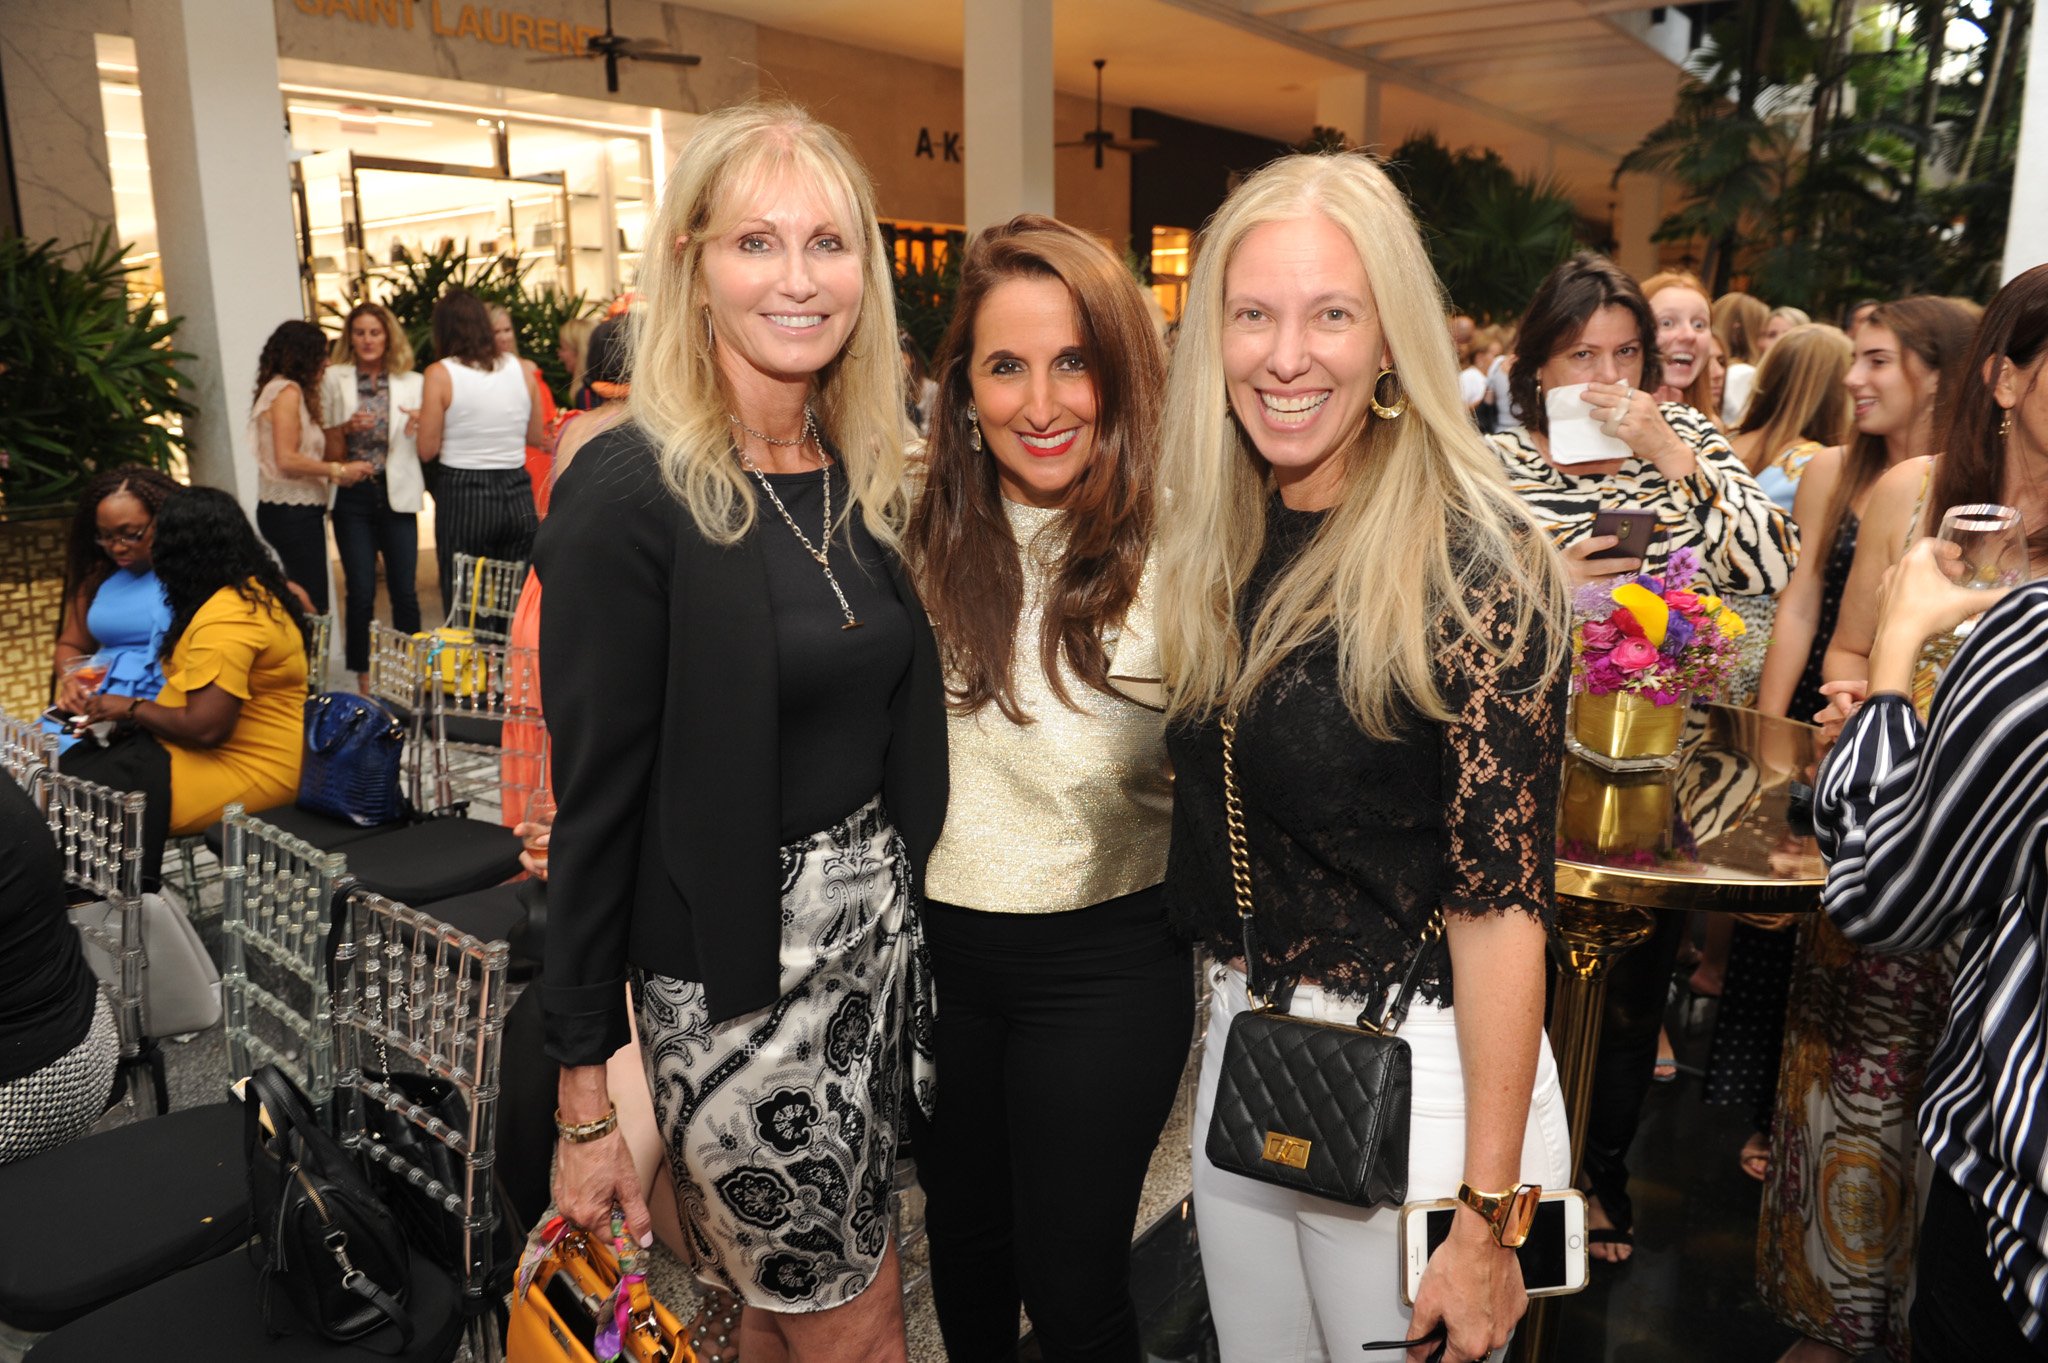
435 860
149 1199
215 1312
326 833
474 730
487 914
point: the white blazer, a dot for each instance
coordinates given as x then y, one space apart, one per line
402 480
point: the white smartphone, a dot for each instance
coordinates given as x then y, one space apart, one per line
1553 1257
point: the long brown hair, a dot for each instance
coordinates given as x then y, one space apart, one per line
1558 313
1936 331
959 544
1973 443
1739 322
1799 393
462 331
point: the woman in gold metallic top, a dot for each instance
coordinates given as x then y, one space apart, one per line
1064 1002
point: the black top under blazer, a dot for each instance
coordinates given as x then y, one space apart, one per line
659 681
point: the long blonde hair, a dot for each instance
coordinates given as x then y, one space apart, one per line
398 355
1425 518
680 398
1799 393
575 334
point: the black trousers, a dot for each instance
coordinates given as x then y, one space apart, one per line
1636 993
1060 1039
299 535
132 760
366 527
1958 1313
488 512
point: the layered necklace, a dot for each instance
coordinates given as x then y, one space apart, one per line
821 551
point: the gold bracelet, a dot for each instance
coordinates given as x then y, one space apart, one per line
581 1133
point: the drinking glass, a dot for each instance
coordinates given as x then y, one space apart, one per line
1993 539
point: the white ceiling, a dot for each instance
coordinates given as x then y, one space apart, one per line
1571 71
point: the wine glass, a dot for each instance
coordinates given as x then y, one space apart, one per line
539 822
1993 539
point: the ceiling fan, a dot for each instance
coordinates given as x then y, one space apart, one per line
1102 138
613 49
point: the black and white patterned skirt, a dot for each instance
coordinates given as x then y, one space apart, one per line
781 1125
58 1103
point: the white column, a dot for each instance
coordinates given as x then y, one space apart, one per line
1637 214
222 185
1007 75
1350 104
2026 232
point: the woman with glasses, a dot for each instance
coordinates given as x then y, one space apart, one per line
114 608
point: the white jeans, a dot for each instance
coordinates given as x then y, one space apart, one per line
1299 1279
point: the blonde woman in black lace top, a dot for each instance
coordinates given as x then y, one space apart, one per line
1362 591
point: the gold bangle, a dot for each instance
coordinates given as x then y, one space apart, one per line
581 1133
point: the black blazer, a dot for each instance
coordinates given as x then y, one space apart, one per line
658 678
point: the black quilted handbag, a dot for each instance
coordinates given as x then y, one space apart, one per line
1317 1107
350 769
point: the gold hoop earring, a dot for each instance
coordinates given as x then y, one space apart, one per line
973 429
1400 407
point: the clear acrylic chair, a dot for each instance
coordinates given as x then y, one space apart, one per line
319 641
415 993
98 832
277 910
483 593
486 730
25 748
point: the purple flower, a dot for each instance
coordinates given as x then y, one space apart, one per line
1603 677
1682 566
1678 632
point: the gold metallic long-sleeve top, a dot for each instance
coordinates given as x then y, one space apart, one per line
1073 808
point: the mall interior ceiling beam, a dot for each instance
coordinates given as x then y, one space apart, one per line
1233 13
1479 27
1537 58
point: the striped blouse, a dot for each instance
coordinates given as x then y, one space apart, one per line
1746 543
1944 833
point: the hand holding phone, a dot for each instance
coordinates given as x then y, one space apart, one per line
1553 1257
1632 529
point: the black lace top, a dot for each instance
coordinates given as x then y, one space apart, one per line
1355 842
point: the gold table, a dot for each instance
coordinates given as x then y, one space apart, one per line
1716 834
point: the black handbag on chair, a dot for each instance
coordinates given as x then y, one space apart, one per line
327 1243
1316 1107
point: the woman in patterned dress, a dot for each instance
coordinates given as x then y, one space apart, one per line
748 732
1589 323
1836 1236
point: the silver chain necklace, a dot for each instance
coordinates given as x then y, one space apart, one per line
810 430
820 554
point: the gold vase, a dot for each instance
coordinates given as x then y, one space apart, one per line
1627 732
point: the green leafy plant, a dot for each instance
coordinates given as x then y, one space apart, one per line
88 378
925 295
1492 234
537 313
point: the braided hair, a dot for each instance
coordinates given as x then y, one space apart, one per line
86 565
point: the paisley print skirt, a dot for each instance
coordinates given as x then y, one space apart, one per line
781 1125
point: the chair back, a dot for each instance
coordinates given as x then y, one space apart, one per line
25 749
412 991
98 832
402 677
277 911
319 640
483 593
505 693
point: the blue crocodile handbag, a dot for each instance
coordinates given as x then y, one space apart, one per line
350 770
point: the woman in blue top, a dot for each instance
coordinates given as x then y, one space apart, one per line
114 609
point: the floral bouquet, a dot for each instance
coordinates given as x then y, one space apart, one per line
1653 637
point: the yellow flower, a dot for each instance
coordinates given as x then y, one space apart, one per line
1731 624
1710 604
1647 607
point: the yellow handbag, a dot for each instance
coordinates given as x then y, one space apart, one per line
457 663
572 1304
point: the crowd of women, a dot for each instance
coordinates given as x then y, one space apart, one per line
894 783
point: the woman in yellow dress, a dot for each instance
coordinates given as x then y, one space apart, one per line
228 726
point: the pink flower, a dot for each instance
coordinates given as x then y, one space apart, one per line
1600 635
1688 602
1603 677
1633 655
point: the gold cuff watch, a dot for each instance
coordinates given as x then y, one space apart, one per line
1508 1215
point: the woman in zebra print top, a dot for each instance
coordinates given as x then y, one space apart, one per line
1589 323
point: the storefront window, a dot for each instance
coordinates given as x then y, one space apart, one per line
1170 257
